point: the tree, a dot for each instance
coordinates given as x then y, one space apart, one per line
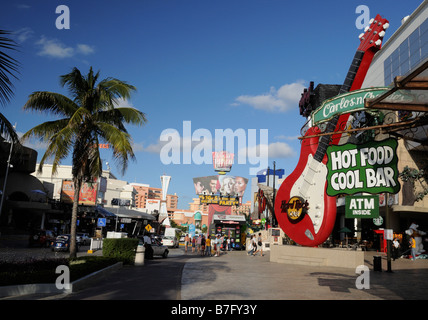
8 69
88 118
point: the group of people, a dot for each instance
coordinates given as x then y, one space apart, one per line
256 245
207 246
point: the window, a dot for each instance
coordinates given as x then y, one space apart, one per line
409 53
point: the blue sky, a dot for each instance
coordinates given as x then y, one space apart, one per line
223 64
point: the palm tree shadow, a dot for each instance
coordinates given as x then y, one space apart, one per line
335 281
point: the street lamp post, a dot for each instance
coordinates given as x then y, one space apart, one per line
3 192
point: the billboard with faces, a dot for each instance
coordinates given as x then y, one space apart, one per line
220 184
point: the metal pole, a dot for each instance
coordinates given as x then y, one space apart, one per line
388 242
267 216
5 177
273 199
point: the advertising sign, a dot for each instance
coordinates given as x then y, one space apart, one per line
224 185
369 167
215 199
362 206
153 204
348 102
222 161
87 196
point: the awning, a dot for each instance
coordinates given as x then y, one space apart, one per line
408 96
105 213
129 213
411 91
30 205
229 219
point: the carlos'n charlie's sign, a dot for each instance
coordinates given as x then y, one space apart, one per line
353 101
369 167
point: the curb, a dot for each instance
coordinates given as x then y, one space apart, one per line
50 288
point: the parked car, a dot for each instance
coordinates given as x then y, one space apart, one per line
170 242
158 248
62 243
83 239
41 238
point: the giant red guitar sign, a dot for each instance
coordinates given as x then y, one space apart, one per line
303 209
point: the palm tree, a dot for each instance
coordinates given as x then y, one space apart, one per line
86 119
8 68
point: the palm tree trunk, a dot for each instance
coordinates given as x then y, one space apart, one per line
73 246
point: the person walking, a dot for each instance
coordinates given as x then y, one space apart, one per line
186 242
395 249
203 242
193 243
412 243
198 244
218 244
148 251
208 246
253 246
259 245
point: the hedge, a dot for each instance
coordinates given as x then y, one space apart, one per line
122 249
44 270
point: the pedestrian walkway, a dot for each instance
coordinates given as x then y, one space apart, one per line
236 276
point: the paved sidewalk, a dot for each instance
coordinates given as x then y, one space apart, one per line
237 276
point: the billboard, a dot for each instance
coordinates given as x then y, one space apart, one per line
87 196
224 185
222 161
216 199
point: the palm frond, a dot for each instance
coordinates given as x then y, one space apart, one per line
123 114
7 131
50 102
8 67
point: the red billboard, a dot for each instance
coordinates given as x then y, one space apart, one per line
88 192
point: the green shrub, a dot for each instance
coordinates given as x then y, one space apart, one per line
122 249
43 271
29 271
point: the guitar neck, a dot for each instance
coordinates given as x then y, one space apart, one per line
352 72
324 141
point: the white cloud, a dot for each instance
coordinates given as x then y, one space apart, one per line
23 34
85 49
274 150
23 6
285 98
34 143
284 137
56 49
281 150
123 103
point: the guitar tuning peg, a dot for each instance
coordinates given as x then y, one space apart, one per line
366 28
361 36
378 42
386 26
371 21
382 34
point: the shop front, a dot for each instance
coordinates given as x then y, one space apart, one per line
230 227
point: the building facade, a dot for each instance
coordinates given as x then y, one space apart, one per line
402 54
